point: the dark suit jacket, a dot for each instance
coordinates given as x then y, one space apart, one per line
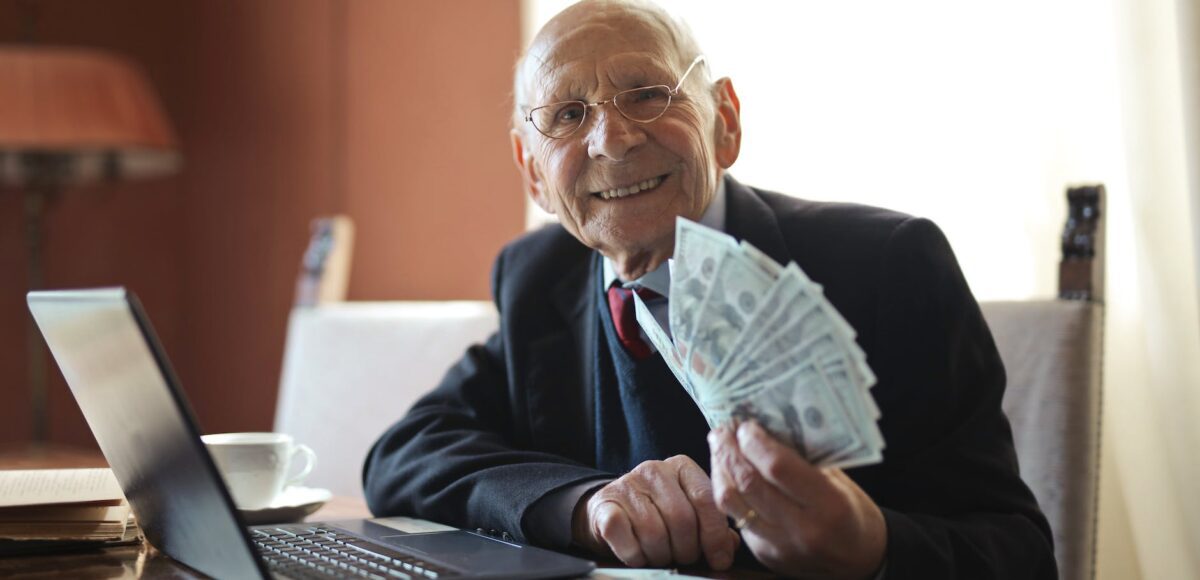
513 420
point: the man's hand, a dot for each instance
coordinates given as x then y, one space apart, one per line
798 519
660 513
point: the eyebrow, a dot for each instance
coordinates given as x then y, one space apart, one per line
570 91
638 73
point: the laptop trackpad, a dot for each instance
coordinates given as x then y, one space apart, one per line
464 550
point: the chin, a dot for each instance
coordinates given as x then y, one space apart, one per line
641 243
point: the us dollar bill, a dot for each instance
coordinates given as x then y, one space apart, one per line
734 296
798 408
698 252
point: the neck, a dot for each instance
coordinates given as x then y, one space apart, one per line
633 265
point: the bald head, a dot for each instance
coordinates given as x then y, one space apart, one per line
567 33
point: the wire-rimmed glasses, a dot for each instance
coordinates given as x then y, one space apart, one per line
641 105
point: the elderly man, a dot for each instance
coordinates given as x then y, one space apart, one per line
561 431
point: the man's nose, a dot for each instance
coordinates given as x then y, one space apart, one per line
612 136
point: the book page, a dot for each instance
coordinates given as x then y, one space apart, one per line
20 487
65 513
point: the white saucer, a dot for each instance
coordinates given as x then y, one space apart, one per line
292 505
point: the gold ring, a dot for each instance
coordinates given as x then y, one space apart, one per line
745 520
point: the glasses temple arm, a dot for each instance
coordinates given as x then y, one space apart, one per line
699 59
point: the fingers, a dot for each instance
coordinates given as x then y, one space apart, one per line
611 525
739 487
716 541
659 513
781 466
674 506
650 529
725 490
807 520
629 524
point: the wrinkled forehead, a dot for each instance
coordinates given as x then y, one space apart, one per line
604 49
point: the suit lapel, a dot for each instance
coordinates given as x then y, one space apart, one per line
562 394
749 218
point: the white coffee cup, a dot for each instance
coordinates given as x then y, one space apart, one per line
255 466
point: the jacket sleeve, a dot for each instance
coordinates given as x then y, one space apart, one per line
952 498
452 458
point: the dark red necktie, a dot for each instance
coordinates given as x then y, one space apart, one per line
624 315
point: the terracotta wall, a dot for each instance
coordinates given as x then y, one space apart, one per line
392 112
128 234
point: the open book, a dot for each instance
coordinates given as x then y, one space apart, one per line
63 505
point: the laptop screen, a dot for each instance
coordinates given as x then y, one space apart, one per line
119 374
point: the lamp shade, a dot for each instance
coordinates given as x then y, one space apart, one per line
89 114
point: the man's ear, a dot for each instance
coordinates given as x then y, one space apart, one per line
728 130
530 174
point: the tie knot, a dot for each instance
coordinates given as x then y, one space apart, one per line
626 294
620 303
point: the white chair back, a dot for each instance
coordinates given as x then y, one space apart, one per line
351 369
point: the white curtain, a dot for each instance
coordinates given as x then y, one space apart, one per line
1153 331
978 115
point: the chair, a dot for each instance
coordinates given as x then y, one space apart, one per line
1052 354
351 369
325 268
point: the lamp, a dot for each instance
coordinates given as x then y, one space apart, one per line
71 117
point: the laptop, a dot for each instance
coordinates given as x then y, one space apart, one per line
132 400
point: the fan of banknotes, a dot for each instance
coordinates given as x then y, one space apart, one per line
751 339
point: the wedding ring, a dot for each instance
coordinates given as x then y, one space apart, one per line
745 520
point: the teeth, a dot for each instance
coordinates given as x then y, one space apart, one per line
632 189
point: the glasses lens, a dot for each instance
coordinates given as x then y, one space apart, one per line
644 104
558 119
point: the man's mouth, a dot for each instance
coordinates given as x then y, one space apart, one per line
628 190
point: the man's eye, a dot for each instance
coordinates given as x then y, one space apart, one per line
570 113
648 94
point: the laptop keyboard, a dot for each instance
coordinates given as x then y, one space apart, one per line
314 551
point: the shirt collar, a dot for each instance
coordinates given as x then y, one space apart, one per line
659 279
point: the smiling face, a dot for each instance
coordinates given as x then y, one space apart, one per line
617 184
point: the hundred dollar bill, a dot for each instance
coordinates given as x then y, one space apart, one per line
785 331
733 297
697 252
862 408
769 266
786 293
796 331
805 343
798 408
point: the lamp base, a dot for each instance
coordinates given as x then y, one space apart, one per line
35 206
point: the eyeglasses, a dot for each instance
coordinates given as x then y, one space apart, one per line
641 105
